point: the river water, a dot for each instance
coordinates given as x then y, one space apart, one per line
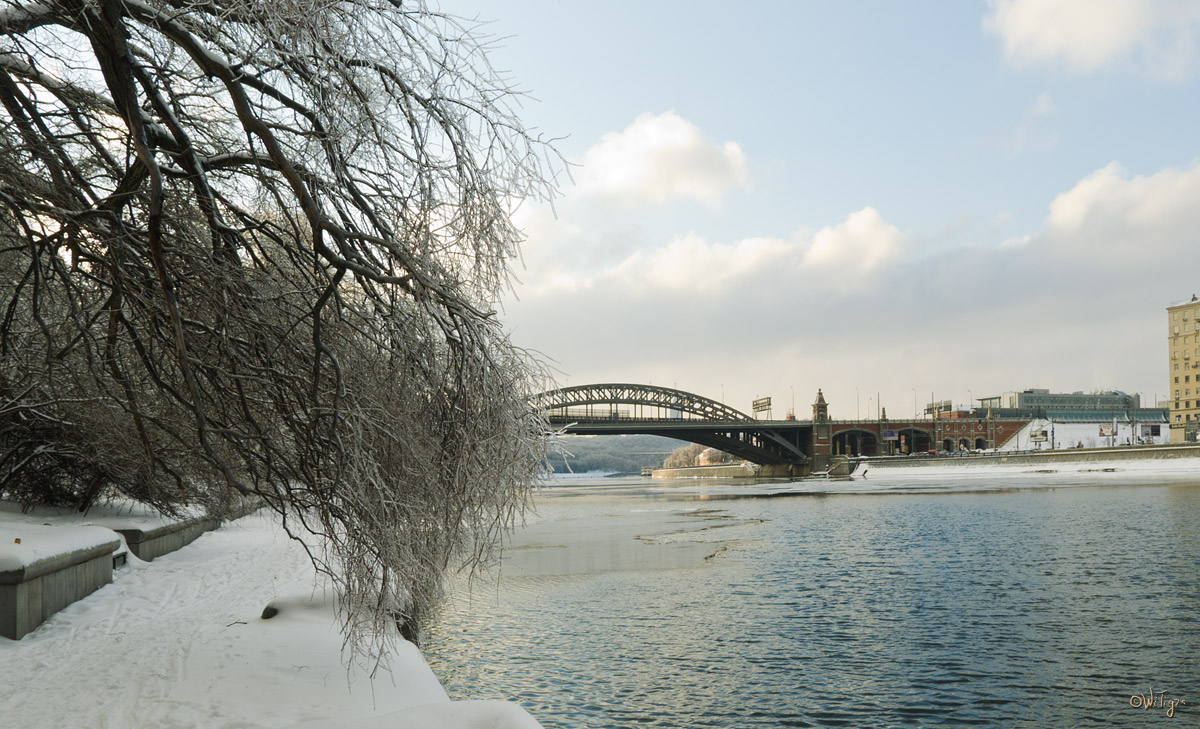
906 598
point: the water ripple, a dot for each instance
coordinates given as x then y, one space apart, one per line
1007 607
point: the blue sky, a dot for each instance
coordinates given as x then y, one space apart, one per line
885 200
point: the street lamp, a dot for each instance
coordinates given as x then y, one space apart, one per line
914 403
793 389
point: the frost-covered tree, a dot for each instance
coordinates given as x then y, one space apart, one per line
251 247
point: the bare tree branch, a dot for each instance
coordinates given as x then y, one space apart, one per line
253 246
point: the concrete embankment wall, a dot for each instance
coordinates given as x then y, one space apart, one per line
150 543
1070 455
31 593
732 470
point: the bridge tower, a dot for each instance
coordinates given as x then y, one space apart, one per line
822 438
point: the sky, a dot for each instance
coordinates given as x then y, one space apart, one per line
892 202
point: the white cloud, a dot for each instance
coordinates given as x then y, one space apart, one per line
692 263
837 258
1086 35
661 158
858 245
1134 218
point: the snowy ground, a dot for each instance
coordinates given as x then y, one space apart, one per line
1086 435
179 642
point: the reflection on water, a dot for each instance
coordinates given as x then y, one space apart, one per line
997 604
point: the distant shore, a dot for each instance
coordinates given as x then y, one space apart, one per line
1002 458
1017 458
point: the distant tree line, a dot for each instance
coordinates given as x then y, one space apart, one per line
619 454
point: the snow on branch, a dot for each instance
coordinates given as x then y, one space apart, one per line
252 247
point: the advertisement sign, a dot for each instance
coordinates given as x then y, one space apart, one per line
890 435
1039 436
1108 431
762 404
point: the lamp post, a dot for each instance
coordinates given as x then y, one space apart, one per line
793 389
914 403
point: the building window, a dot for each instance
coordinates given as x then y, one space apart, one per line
1177 393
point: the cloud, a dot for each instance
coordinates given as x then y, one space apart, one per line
692 263
1083 36
839 258
1127 218
659 159
859 245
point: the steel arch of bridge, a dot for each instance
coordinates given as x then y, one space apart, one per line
711 423
646 395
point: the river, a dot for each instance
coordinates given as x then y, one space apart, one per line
910 598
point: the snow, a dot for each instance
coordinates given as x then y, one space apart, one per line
180 642
24 545
1162 468
1067 435
113 515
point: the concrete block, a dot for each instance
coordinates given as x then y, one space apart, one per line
37 585
148 544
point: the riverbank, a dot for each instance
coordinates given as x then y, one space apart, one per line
181 642
839 467
1035 458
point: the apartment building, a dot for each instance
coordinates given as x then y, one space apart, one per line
1183 363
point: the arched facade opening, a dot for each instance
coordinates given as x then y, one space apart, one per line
912 440
947 444
856 443
980 444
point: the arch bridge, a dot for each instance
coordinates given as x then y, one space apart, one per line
626 409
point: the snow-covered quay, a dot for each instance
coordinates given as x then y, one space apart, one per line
180 642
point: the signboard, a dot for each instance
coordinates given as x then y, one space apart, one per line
1151 431
1108 431
943 406
890 435
1039 436
761 404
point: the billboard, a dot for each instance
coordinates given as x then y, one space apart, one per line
1039 436
761 404
890 435
1108 431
